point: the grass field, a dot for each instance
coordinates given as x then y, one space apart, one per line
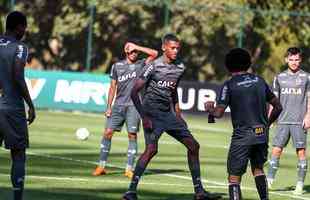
59 166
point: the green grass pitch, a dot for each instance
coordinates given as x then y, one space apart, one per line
59 166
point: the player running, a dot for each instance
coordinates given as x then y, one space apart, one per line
122 75
13 92
292 87
246 94
160 113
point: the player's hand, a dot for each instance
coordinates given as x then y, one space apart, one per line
129 47
31 115
209 106
306 123
147 123
108 112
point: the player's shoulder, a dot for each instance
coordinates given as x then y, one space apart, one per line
282 74
119 63
303 73
179 63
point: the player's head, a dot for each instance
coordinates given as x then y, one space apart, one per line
293 58
132 55
238 60
171 46
16 22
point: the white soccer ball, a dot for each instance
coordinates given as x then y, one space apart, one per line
82 133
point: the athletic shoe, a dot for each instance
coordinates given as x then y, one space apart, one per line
130 196
298 190
270 182
99 171
204 195
128 173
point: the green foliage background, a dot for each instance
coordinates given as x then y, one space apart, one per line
208 29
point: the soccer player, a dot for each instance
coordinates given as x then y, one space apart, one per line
122 75
13 92
292 87
160 113
246 94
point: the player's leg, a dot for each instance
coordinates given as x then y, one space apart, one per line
237 162
182 134
18 157
299 138
13 126
133 123
280 140
258 156
113 123
151 147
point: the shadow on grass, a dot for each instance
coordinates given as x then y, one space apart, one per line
93 194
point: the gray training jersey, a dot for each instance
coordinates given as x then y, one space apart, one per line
292 90
247 95
10 50
161 83
125 75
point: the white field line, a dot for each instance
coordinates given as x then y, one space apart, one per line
218 184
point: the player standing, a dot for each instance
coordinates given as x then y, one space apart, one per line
122 75
246 94
13 92
160 113
292 87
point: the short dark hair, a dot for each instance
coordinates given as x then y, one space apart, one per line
170 37
237 60
14 19
293 51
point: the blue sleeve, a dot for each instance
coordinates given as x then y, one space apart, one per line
224 96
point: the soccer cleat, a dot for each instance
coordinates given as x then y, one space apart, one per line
128 173
130 196
269 182
204 195
99 171
298 190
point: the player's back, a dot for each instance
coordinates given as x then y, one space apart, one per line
248 100
10 49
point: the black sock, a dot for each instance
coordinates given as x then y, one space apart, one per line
18 173
261 185
234 191
194 166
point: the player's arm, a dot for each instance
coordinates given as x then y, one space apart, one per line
276 91
19 79
146 74
111 95
272 99
306 120
152 53
222 103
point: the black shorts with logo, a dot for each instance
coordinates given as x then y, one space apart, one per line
239 155
13 129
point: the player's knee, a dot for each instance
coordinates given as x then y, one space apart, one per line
18 154
108 134
192 145
234 179
257 171
132 136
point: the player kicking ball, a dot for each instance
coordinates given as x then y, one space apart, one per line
246 94
292 86
160 113
123 75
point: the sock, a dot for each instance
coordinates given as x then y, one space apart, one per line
104 151
261 186
234 191
273 167
140 167
131 153
302 171
18 174
194 166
